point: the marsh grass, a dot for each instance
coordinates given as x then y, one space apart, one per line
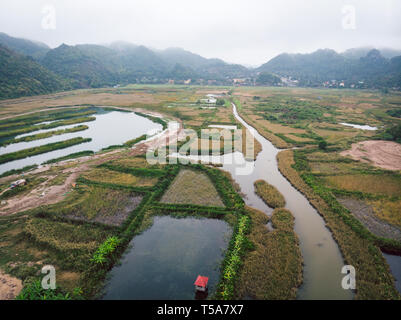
25 153
386 184
104 175
273 269
269 194
45 135
375 279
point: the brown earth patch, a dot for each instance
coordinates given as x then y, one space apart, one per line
382 154
10 287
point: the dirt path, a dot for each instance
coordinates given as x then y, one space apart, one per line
9 287
382 154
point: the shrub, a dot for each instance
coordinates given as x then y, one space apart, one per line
269 194
105 249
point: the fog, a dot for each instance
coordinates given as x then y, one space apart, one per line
249 32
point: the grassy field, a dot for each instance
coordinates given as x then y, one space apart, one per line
108 176
191 187
387 184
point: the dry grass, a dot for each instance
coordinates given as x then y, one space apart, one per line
388 210
134 162
269 194
64 236
374 277
368 183
272 271
190 187
114 177
103 205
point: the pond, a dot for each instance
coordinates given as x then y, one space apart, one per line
395 267
109 128
357 126
165 260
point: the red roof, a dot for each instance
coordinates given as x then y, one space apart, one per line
201 281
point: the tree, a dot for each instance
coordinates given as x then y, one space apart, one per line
323 145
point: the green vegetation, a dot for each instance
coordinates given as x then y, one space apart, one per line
233 259
21 76
268 79
154 119
70 156
131 143
191 187
312 69
42 149
44 135
269 194
375 280
31 128
272 270
42 116
104 175
18 171
394 133
105 249
34 291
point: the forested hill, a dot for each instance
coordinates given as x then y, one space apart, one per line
369 71
36 50
22 76
30 68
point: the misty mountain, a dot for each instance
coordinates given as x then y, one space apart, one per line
206 68
29 67
83 71
373 70
22 76
120 62
356 53
36 50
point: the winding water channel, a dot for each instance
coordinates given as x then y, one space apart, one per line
321 255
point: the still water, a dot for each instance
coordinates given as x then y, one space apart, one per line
395 267
109 128
357 126
165 260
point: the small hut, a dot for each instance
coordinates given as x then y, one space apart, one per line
201 283
18 183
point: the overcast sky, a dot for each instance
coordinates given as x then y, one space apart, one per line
241 31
